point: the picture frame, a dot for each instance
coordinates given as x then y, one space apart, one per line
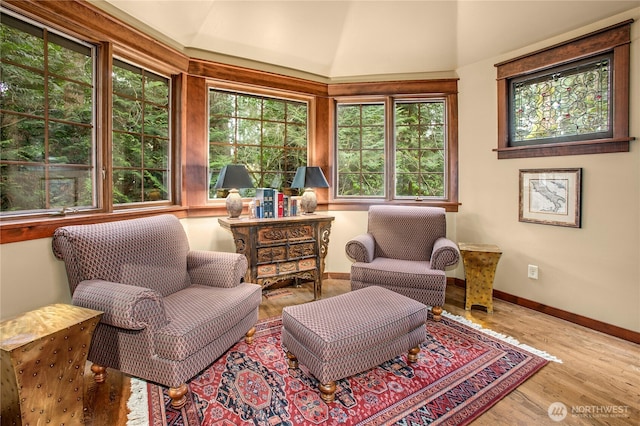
551 196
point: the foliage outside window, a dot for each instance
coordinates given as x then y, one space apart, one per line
47 138
268 135
141 135
417 159
569 99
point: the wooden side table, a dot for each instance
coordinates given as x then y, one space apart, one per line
480 262
43 361
282 248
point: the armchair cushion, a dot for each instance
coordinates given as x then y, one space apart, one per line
201 314
402 273
125 306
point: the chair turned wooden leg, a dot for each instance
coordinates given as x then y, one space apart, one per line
178 396
413 354
327 391
437 312
248 338
293 361
99 373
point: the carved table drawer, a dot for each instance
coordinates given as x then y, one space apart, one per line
282 234
271 254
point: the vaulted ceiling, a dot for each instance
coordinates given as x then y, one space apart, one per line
353 38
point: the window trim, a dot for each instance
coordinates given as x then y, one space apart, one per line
616 40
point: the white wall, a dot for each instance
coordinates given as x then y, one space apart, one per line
593 271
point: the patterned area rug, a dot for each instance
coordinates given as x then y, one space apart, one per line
460 373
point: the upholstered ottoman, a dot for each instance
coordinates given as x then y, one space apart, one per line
351 333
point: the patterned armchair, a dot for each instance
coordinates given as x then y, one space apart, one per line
169 311
404 250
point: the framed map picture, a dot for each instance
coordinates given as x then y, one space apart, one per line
551 196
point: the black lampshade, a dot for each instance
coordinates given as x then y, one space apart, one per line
233 176
309 177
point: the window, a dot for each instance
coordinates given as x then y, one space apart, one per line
47 152
563 104
266 134
141 135
569 99
414 158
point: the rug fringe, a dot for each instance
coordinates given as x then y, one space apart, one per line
503 337
138 404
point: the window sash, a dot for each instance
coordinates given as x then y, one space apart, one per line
141 138
48 159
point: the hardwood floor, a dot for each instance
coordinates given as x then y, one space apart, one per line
600 374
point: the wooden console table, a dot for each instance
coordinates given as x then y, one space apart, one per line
283 248
480 262
43 361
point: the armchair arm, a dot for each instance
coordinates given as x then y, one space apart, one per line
361 248
215 268
124 306
445 253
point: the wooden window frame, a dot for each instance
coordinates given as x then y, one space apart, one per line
446 89
616 40
265 93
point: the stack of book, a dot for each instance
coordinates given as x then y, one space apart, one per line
271 203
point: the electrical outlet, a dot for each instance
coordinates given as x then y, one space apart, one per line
532 272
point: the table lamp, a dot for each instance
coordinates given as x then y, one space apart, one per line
232 177
309 178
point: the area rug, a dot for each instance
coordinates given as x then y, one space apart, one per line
461 372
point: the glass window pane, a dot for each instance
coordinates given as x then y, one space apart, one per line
70 144
22 43
127 186
127 150
127 114
156 121
22 138
156 90
249 107
127 80
296 136
156 153
22 90
69 59
70 101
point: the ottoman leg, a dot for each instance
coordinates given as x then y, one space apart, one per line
293 361
327 391
413 354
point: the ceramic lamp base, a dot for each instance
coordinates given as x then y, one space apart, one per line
308 201
234 203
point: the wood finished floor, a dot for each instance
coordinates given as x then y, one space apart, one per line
599 372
